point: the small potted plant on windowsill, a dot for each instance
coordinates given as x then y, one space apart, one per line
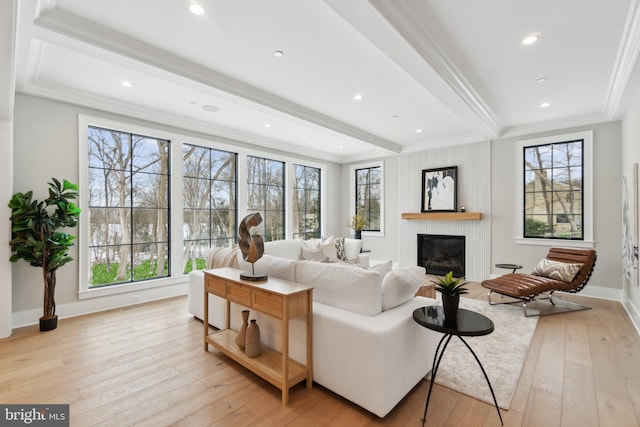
451 289
357 224
37 238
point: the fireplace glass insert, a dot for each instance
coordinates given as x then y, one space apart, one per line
440 254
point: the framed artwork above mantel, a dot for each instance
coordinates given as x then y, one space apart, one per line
440 189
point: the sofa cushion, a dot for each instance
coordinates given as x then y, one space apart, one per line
400 286
290 249
343 286
282 268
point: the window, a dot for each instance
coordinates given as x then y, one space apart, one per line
368 195
209 193
130 176
265 194
128 207
306 202
555 190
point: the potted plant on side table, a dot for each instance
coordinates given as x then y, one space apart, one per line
36 237
451 289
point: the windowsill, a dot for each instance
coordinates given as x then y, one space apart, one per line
557 242
131 287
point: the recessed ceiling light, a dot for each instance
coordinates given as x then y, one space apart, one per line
210 108
545 104
267 125
340 147
418 130
357 97
530 40
395 116
542 80
126 83
196 9
278 54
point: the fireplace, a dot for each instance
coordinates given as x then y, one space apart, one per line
440 254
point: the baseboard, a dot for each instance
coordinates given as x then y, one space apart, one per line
94 305
633 313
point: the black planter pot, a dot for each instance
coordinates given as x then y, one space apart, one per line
48 324
450 306
357 234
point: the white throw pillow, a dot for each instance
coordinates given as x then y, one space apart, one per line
400 286
311 253
328 248
352 248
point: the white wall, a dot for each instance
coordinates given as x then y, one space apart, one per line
46 146
607 215
631 155
6 190
403 192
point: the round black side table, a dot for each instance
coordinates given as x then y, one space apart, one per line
468 324
513 267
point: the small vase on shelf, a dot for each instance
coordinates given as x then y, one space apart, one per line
242 333
253 347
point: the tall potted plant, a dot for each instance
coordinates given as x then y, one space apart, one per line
37 240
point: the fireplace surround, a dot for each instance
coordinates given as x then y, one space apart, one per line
439 254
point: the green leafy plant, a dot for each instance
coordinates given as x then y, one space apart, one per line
36 237
448 285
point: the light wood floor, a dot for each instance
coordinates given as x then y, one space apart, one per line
145 366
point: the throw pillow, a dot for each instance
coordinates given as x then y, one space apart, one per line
400 286
311 253
340 249
328 248
557 270
352 248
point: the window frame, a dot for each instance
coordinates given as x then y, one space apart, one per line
352 196
176 199
295 188
587 190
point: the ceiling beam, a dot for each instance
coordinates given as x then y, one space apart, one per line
92 33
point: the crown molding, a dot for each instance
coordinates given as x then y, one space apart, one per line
94 34
125 109
625 61
556 125
404 17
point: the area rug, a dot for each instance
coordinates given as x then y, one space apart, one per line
502 354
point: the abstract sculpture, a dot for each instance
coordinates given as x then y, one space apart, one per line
251 246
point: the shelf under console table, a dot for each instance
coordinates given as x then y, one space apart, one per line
278 298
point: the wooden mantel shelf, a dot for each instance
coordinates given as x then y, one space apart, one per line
444 216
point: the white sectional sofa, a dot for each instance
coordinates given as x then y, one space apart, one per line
366 345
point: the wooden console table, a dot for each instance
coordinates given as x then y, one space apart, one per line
278 298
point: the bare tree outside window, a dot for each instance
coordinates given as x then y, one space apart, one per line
368 195
306 202
553 186
209 196
265 194
128 207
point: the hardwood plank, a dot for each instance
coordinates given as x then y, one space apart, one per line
579 404
145 366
